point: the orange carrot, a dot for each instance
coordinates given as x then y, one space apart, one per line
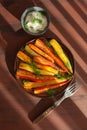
43 61
39 43
23 74
46 88
39 51
22 56
48 68
30 51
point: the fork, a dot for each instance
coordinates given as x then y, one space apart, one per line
72 89
67 93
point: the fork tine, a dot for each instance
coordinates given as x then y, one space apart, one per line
72 85
74 90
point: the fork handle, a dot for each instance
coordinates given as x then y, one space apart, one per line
57 103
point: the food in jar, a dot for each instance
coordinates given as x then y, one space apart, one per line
35 22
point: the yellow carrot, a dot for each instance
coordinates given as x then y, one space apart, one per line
35 70
29 85
26 67
45 72
58 49
48 68
43 89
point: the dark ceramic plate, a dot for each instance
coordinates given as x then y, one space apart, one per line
59 90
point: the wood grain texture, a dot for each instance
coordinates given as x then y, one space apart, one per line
69 24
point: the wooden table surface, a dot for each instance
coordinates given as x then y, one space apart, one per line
69 24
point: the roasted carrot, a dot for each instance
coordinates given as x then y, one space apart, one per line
23 74
39 43
43 89
25 66
29 85
22 56
40 52
58 49
43 61
48 68
34 70
30 51
45 72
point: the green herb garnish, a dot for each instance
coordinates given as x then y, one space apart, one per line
39 31
51 92
59 76
36 71
36 20
67 76
48 44
23 80
25 26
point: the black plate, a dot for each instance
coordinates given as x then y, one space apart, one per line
60 90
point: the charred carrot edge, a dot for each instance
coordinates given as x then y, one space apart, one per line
40 52
39 43
46 88
22 56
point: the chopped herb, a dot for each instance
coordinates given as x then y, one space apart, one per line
25 26
36 20
23 80
31 27
67 76
51 92
39 31
59 76
48 44
33 66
